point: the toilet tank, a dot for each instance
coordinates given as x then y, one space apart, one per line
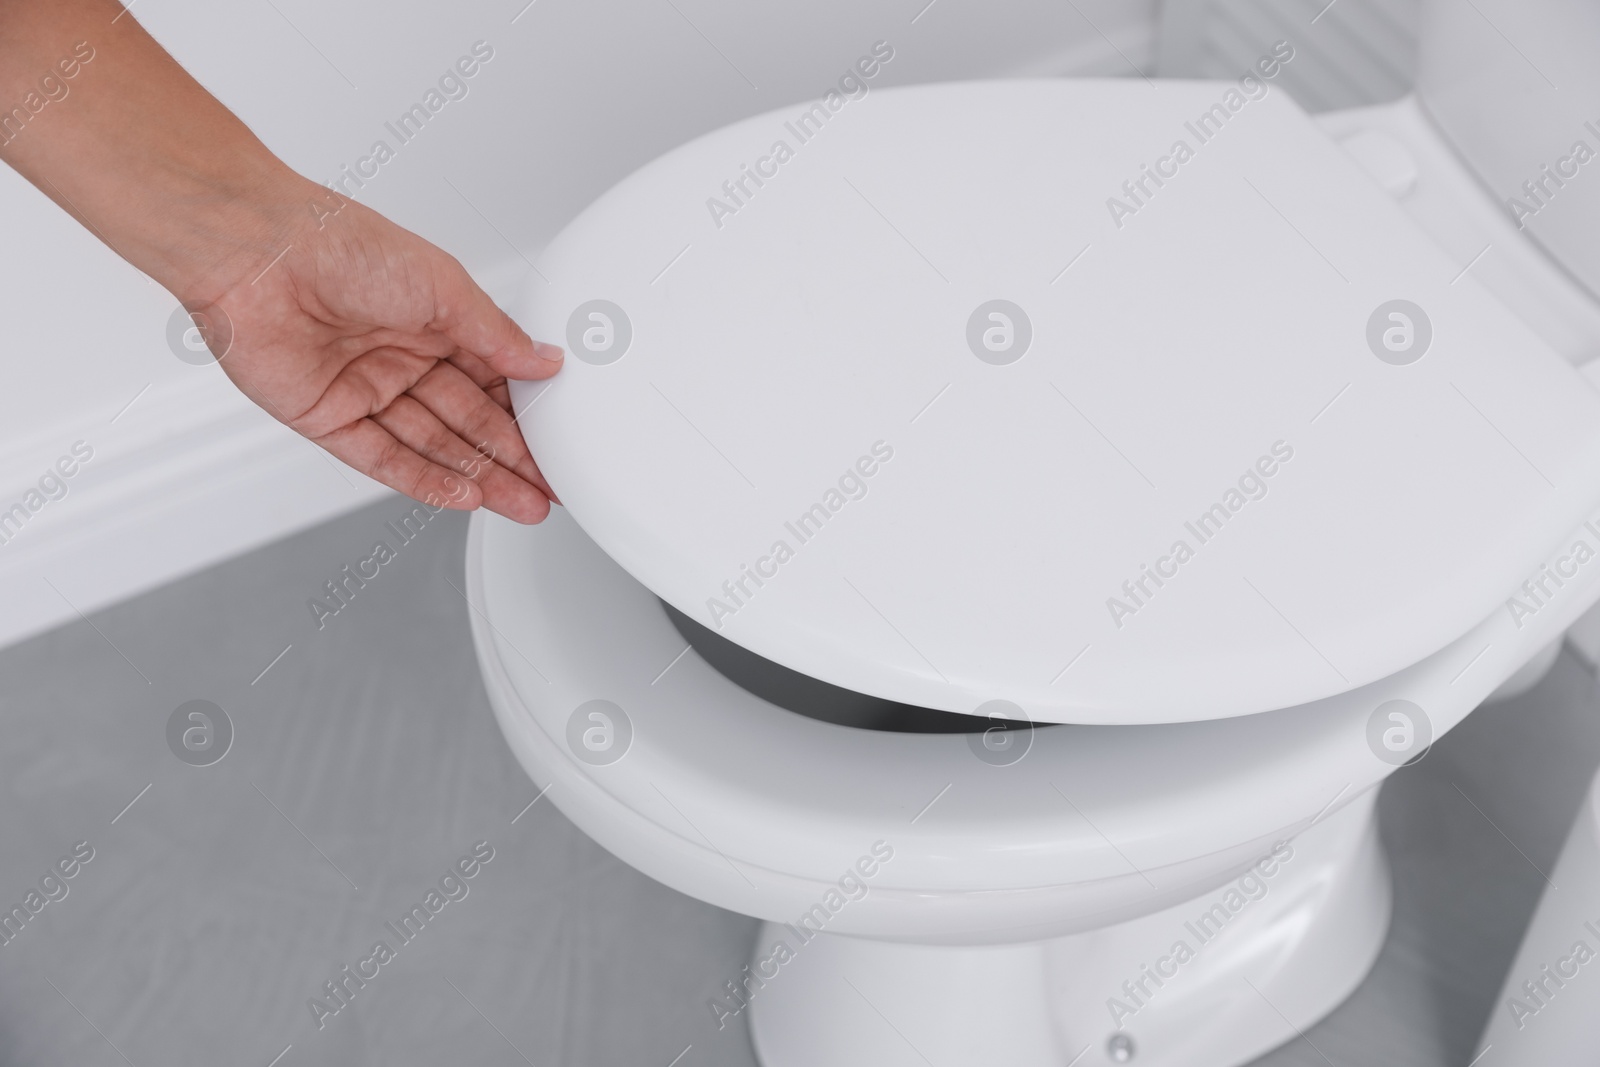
1515 87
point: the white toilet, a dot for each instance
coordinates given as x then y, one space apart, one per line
980 405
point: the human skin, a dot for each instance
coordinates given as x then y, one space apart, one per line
358 334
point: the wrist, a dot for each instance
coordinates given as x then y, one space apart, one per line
218 226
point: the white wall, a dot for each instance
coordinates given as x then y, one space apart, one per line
578 94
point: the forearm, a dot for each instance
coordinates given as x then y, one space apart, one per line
88 102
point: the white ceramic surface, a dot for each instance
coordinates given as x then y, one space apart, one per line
1213 981
730 799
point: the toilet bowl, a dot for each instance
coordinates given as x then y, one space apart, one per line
1005 552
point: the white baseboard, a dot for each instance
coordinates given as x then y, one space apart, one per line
199 477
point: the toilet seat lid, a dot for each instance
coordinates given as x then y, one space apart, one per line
1114 402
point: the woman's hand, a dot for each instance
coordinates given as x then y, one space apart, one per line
357 333
377 346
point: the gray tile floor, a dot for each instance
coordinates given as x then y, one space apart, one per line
366 761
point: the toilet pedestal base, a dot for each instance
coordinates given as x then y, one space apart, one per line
1262 959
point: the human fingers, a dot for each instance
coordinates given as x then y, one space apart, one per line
375 452
411 423
479 419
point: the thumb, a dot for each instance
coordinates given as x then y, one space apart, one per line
469 317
